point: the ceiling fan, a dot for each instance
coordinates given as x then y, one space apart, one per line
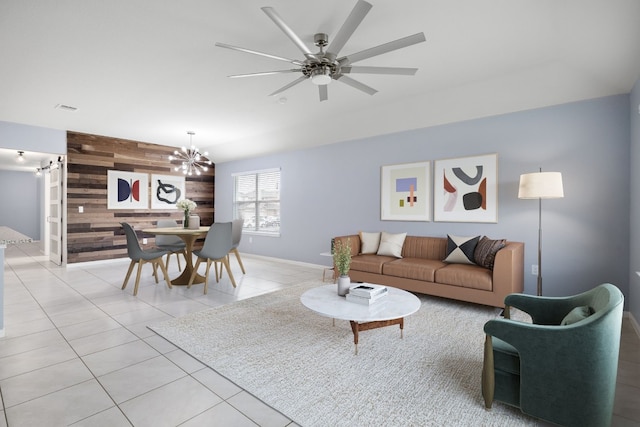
324 66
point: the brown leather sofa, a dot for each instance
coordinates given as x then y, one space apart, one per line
422 269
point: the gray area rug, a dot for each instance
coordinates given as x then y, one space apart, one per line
298 363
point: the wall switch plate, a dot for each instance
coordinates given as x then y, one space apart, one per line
534 269
80 209
144 241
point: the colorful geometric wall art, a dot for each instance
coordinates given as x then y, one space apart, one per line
405 192
127 190
466 189
166 190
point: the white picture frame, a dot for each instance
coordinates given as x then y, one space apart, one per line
166 191
127 190
405 192
465 189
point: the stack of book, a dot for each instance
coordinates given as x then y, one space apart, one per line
367 293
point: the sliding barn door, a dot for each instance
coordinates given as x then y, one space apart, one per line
55 215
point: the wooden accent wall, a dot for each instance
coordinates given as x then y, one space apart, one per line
97 234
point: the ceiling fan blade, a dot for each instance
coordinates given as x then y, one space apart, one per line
293 83
354 19
324 92
356 84
264 73
271 13
379 70
255 52
383 48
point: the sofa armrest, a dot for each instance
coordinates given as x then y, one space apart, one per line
508 270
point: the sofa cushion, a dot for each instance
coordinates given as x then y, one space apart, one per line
369 242
425 247
486 249
369 263
391 244
460 249
466 276
413 268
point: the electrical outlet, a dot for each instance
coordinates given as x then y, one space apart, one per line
144 241
80 209
534 269
250 239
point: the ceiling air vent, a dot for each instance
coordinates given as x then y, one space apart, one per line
65 107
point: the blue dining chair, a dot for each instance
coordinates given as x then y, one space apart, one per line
173 244
140 257
216 247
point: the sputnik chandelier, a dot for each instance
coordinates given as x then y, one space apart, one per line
191 161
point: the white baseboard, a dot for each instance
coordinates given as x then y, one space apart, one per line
634 322
243 254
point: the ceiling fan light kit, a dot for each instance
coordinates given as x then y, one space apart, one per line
324 66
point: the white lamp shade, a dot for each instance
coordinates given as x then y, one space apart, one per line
541 185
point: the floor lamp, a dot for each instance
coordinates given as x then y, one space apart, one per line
540 185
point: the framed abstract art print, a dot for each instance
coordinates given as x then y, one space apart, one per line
466 189
406 192
166 190
127 190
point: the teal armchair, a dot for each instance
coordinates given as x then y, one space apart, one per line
561 368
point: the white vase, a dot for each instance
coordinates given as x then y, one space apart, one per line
344 282
194 222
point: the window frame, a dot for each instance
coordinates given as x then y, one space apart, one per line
238 213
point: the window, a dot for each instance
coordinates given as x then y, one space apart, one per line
256 199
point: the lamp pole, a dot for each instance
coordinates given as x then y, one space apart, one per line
540 244
539 185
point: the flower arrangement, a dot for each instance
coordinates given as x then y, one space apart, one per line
186 205
342 256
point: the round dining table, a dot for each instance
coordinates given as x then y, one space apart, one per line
189 236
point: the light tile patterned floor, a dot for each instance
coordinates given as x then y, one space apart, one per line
77 350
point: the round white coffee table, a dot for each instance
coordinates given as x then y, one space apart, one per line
391 310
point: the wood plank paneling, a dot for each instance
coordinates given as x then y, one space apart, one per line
96 234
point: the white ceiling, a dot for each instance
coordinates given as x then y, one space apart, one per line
148 70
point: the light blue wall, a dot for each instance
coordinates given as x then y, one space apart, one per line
21 205
23 193
335 189
32 138
633 298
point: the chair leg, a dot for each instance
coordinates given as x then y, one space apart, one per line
194 273
166 263
488 373
219 273
206 274
235 251
135 289
164 271
155 270
225 261
178 259
126 279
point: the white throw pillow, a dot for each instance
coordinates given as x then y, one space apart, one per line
369 242
391 244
